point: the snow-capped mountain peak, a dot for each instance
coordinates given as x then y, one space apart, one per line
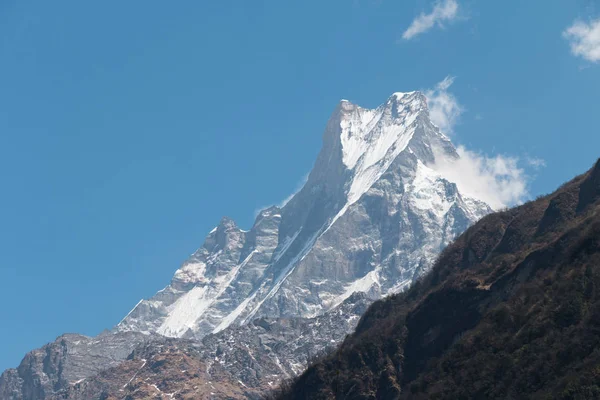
372 139
371 217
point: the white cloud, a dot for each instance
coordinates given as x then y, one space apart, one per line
299 186
584 39
497 180
444 108
443 11
536 162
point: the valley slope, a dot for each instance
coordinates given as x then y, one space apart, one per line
510 310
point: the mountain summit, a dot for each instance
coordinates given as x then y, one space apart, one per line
251 308
372 217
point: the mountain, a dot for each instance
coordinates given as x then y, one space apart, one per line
252 308
67 360
510 310
237 363
372 216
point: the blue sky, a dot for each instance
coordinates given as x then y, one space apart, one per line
128 129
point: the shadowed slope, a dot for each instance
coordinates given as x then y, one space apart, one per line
510 310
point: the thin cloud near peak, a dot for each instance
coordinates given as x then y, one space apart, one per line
443 11
282 203
444 108
498 180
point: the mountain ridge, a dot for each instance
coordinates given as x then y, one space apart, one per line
252 269
510 310
371 218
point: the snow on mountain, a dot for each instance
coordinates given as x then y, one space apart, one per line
372 216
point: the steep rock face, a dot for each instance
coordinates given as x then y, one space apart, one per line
162 369
372 217
257 305
211 281
267 351
239 362
67 360
510 310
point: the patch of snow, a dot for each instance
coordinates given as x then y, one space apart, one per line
400 286
232 316
136 373
371 141
297 368
363 284
287 242
184 313
353 134
278 363
284 274
428 192
129 313
156 387
352 318
192 272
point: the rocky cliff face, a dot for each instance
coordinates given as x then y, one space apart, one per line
239 362
252 307
66 361
372 216
510 310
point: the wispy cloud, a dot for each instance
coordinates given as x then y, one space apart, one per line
498 180
299 186
281 204
535 162
584 39
444 108
443 11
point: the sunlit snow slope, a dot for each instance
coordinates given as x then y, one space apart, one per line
372 216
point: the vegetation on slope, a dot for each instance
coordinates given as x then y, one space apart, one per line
510 310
